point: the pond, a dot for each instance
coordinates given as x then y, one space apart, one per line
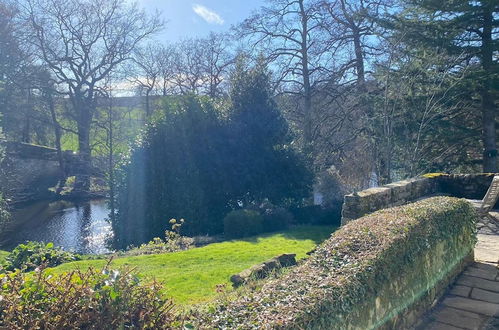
79 227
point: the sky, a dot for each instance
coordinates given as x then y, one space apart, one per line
197 18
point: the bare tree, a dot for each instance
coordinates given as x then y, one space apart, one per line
217 61
353 33
351 26
288 33
81 41
166 83
198 66
148 72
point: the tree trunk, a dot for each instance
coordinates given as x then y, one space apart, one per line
359 58
82 182
26 135
307 88
58 135
488 106
148 107
112 197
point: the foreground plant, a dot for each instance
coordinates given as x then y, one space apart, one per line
106 299
31 255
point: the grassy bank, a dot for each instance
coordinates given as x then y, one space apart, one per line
191 276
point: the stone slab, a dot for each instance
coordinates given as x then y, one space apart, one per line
441 326
472 305
484 295
477 282
458 318
460 290
487 274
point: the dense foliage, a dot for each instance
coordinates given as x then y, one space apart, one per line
276 218
198 161
31 255
358 265
107 299
242 223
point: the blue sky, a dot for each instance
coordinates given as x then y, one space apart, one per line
188 18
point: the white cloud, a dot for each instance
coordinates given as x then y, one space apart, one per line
207 14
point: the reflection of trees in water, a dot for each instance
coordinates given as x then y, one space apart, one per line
75 226
84 213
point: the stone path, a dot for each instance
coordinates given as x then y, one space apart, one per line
473 301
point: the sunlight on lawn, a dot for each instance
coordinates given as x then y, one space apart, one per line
191 276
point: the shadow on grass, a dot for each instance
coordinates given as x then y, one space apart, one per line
317 234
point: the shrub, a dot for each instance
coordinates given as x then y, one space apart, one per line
242 223
29 256
173 242
82 300
276 218
318 215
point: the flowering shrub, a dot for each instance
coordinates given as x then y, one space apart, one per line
107 299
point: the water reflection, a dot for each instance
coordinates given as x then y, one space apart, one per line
78 227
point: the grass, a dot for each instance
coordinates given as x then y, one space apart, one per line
3 254
191 276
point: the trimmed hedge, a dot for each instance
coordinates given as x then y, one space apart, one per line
391 263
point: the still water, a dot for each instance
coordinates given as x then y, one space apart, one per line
78 227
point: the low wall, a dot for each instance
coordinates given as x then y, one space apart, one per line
358 204
382 271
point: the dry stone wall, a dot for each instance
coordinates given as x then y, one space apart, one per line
358 204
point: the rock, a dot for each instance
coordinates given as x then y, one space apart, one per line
264 269
287 260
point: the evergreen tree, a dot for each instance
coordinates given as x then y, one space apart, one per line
468 30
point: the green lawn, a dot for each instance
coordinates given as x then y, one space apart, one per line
191 276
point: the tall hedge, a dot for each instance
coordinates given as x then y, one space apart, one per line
367 273
199 161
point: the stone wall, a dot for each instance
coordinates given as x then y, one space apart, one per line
358 204
28 171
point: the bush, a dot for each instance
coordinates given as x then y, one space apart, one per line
29 256
242 223
173 242
82 300
317 215
276 218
